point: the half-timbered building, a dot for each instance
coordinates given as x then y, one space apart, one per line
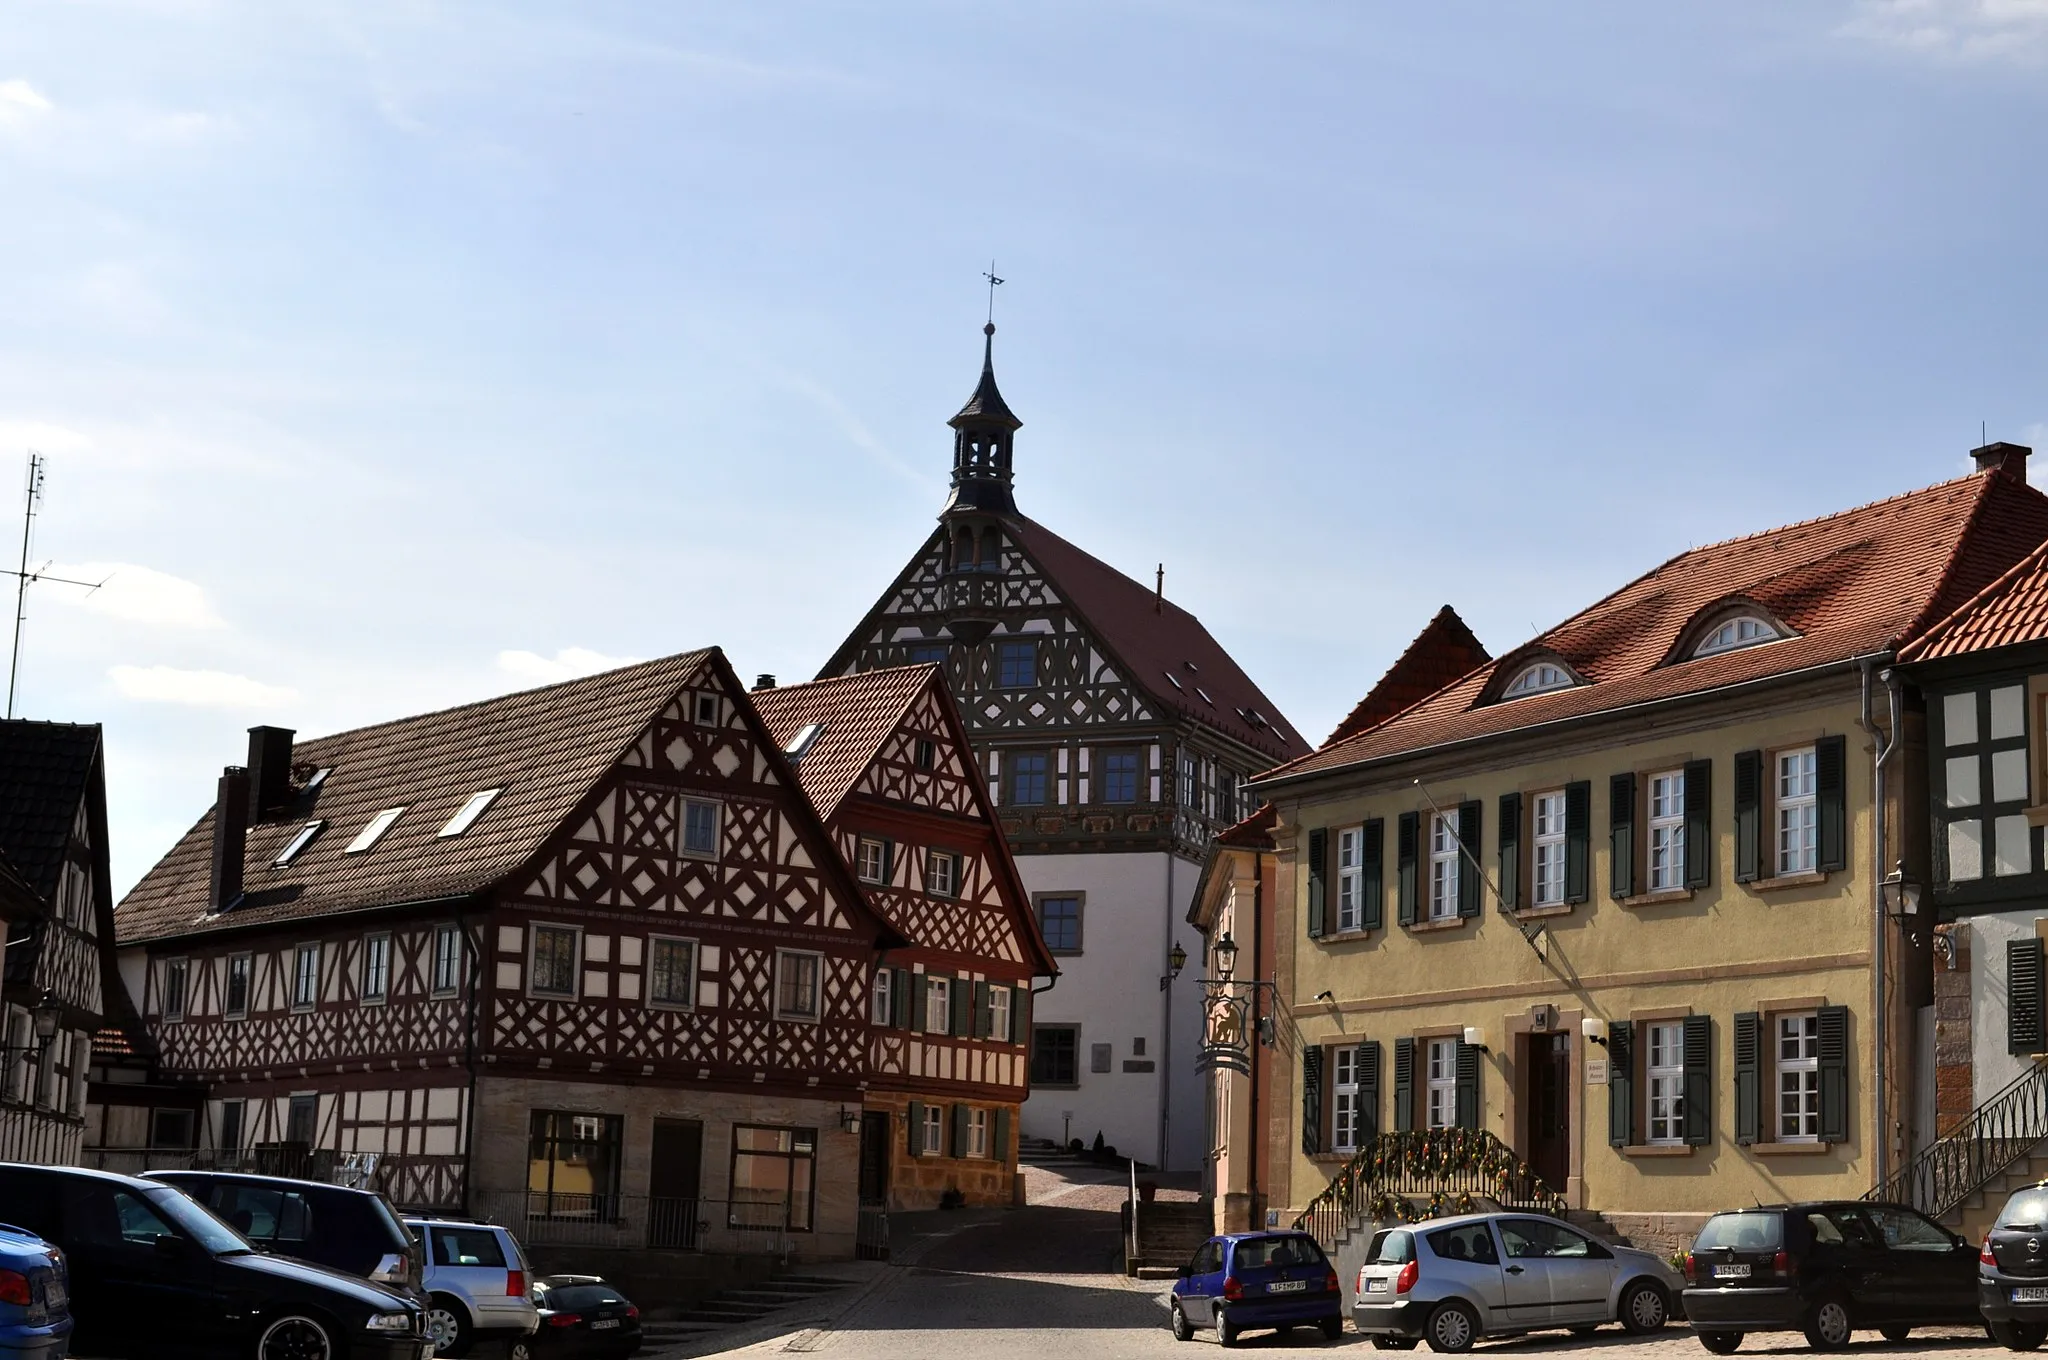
1113 734
888 766
581 954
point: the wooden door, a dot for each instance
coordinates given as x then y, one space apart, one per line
1547 1096
874 1157
674 1177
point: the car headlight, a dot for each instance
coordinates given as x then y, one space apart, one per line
390 1322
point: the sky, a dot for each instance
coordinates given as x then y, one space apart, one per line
391 355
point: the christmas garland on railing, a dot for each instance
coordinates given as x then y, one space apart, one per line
1430 1155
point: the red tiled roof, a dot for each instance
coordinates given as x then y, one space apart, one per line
855 713
1254 832
1852 584
1445 650
2011 610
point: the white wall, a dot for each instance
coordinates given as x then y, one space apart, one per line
1111 991
1992 1067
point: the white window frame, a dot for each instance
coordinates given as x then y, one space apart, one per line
376 969
374 830
934 1130
689 1001
1440 1083
871 859
305 993
1444 867
1796 821
1344 1107
1547 848
998 1013
465 816
181 969
248 962
717 828
1732 635
785 959
294 847
447 949
533 938
1667 830
938 994
1350 878
1664 1082
1795 1054
942 873
977 1133
882 997
1538 677
705 710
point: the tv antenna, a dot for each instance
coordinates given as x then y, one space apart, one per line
23 577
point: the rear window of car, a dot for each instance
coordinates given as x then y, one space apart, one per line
2027 1210
582 1296
1259 1253
1394 1247
1742 1232
465 1247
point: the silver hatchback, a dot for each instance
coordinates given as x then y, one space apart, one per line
1450 1281
478 1286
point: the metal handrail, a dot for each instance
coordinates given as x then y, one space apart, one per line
1131 1251
1981 1146
1450 1170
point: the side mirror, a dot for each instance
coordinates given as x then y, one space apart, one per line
1187 1272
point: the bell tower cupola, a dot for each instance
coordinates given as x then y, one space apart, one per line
982 435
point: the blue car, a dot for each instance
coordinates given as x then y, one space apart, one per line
35 1302
1257 1281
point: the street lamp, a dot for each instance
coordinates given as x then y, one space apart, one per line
1176 960
1224 951
43 1023
1901 896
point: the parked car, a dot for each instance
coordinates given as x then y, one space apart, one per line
1450 1281
2012 1271
477 1284
1242 1282
350 1230
35 1305
1826 1268
153 1274
584 1316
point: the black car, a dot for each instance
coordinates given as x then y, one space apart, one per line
154 1274
2012 1272
582 1316
356 1231
1826 1268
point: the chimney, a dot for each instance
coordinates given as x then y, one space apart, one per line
2011 459
230 836
270 770
764 681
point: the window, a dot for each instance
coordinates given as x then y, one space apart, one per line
1985 791
299 841
572 1163
1798 812
1746 630
1798 1077
554 961
471 809
1548 853
1442 1069
1344 1113
999 1013
1664 1079
671 973
705 709
1016 665
447 959
977 1133
1059 920
801 742
1904 1230
238 985
1027 777
932 1141
1540 678
170 1128
1546 1239
772 1177
700 828
929 654
871 860
1667 831
938 1005
472 1247
1055 1054
927 754
374 832
305 976
882 998
271 1214
1118 775
302 1121
1443 866
942 873
233 1115
1190 770
1350 880
173 1007
376 968
796 984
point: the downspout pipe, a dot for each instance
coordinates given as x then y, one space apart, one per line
1886 744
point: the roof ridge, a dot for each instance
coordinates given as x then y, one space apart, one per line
850 677
1992 479
1986 596
1120 574
1835 514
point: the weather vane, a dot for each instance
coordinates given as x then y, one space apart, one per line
993 284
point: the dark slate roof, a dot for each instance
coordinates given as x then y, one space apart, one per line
987 404
1445 650
546 748
45 768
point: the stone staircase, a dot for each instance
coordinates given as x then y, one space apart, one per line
737 1307
1168 1233
1972 1218
1045 1152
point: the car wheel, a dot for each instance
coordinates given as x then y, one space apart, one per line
1452 1328
1644 1309
1333 1327
1393 1343
520 1349
1721 1343
1895 1332
1226 1330
295 1337
2018 1336
1183 1330
1827 1323
448 1328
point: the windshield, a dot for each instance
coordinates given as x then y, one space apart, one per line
1393 1248
2026 1211
196 1223
1742 1232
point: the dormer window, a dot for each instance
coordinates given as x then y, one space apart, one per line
1744 630
1540 677
374 832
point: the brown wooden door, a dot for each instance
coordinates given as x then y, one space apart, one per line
1547 1096
674 1178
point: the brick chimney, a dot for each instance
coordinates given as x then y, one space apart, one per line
230 837
2011 459
270 770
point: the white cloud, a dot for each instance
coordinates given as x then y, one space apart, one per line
135 594
1956 30
20 436
209 689
20 103
566 664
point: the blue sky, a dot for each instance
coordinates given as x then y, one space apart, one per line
395 354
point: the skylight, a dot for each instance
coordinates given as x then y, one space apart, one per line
465 816
1173 680
374 832
801 742
319 778
1744 630
1539 678
299 841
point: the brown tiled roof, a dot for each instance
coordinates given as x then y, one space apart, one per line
1857 583
2011 610
1156 640
1445 650
44 770
855 713
1254 832
546 748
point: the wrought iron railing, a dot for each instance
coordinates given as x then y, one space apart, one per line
1411 1176
1988 1141
647 1222
871 1237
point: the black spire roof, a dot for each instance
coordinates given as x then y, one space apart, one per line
986 406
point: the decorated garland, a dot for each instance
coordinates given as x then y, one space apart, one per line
1380 1175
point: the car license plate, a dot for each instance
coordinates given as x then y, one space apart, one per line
1735 1272
1287 1286
1375 1286
603 1323
2031 1293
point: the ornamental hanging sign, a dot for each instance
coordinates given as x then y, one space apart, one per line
1226 1033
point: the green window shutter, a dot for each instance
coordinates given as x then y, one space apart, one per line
984 1018
2023 982
1749 814
1834 1074
1830 787
1318 880
1468 859
1699 1079
1578 840
916 1140
1511 850
1468 1086
961 1000
1621 828
888 863
1621 1083
1406 832
1311 1100
1368 1091
1372 874
1020 1014
1749 1076
899 997
959 1122
1404 1085
1699 823
920 984
999 1135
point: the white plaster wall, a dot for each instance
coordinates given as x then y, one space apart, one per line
1992 1067
1111 990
